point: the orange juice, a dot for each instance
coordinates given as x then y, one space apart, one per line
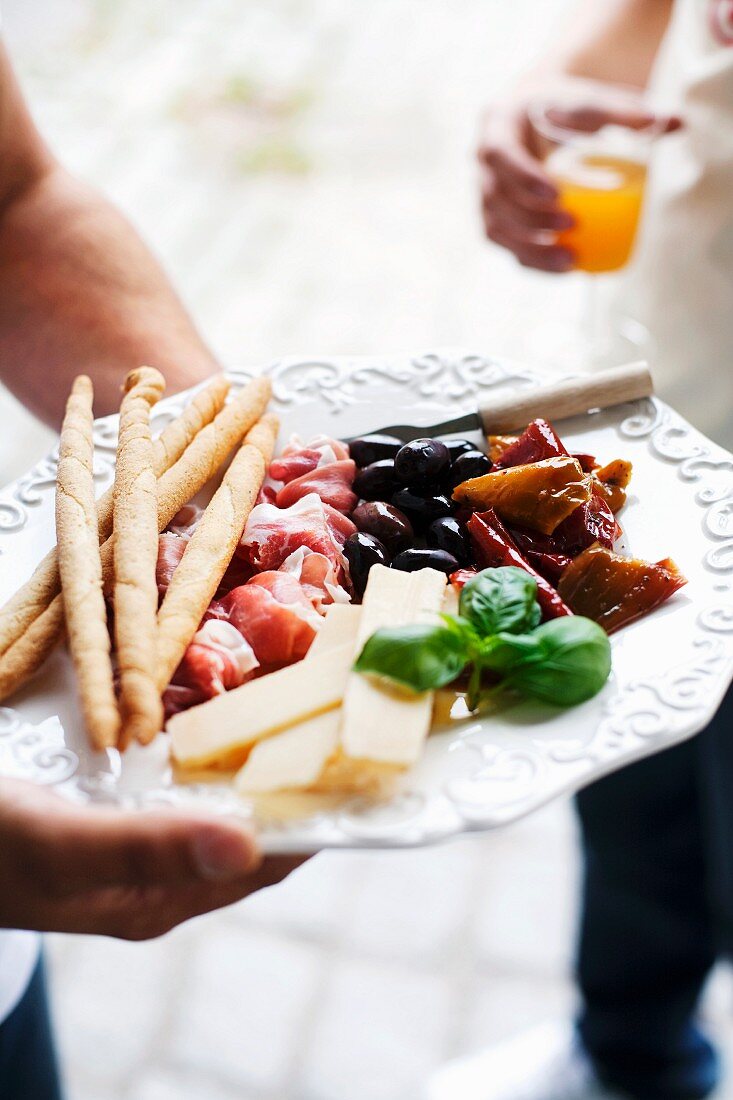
604 194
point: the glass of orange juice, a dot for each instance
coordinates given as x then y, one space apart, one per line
596 148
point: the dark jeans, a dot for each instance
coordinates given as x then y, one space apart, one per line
28 1068
657 912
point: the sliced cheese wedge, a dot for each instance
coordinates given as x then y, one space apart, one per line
381 726
223 730
295 758
450 601
339 627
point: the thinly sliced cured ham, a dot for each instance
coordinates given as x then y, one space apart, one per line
184 522
238 572
267 495
170 552
329 448
322 466
299 458
275 615
332 483
272 534
287 468
317 577
178 697
218 659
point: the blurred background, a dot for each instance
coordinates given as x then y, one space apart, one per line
304 169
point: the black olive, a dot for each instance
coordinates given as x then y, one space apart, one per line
458 447
448 534
470 464
362 552
370 448
422 507
411 560
376 481
386 523
421 460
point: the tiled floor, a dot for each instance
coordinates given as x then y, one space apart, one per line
303 167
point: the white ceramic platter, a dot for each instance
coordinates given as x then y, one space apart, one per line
670 670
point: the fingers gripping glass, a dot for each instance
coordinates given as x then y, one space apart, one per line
596 149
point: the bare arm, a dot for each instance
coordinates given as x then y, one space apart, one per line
614 42
79 291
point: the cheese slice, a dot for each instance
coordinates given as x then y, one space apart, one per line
295 758
381 724
450 600
223 730
339 627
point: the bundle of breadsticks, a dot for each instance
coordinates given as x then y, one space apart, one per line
107 550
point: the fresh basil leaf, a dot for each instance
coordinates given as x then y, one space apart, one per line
419 657
465 630
501 600
505 651
565 661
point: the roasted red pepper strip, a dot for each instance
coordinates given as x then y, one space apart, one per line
494 546
542 552
612 481
539 495
539 440
589 523
461 577
587 462
615 591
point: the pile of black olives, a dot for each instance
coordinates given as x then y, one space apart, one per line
406 515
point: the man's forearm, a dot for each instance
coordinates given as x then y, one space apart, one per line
615 41
80 292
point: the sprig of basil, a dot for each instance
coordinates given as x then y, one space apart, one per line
502 599
418 657
564 661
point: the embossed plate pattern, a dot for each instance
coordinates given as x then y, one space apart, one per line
670 670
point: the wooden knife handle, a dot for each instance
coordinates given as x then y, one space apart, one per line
571 397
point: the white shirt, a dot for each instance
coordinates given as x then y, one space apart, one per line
681 283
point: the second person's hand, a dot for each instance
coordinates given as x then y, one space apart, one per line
519 200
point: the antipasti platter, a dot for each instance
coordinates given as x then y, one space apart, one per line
399 643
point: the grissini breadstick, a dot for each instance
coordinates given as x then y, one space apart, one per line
176 487
36 594
211 546
135 557
21 660
179 434
203 458
81 569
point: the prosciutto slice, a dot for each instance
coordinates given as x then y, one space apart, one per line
330 449
170 552
332 483
317 576
275 615
300 461
289 466
184 522
238 572
271 534
178 697
218 659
